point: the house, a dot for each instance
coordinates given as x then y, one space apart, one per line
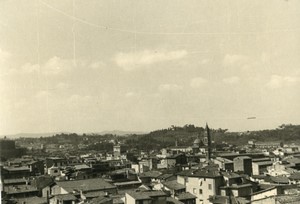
87 185
186 198
29 200
280 199
201 183
173 187
259 168
20 191
102 200
243 164
224 163
149 176
269 192
145 197
15 172
54 171
278 169
235 185
63 199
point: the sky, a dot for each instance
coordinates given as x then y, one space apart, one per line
89 66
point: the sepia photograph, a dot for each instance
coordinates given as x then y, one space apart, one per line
150 101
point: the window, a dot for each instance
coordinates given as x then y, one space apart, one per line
209 186
200 184
200 191
194 190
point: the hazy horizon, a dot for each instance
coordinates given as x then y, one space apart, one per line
92 66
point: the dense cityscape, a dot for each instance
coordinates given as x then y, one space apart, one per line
149 102
196 167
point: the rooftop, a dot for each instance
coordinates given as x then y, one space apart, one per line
174 185
146 195
186 196
65 197
150 174
85 185
15 189
202 173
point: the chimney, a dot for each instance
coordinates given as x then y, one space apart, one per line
208 143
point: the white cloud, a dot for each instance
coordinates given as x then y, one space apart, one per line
197 82
230 60
56 65
231 80
135 60
170 87
277 81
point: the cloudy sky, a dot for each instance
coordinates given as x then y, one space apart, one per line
88 66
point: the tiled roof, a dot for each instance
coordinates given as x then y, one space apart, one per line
146 195
35 200
279 179
12 181
295 176
100 199
173 201
174 185
150 174
85 185
66 197
19 189
185 196
81 166
165 176
201 173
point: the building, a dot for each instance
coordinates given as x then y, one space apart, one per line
201 183
224 163
87 185
145 197
243 164
259 168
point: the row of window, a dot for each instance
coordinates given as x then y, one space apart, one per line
200 190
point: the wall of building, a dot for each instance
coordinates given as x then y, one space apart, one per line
269 193
202 188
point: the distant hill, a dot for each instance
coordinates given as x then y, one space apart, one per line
37 135
33 135
120 133
187 134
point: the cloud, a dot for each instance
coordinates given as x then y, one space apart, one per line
230 60
277 81
231 80
170 87
135 60
197 82
56 65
